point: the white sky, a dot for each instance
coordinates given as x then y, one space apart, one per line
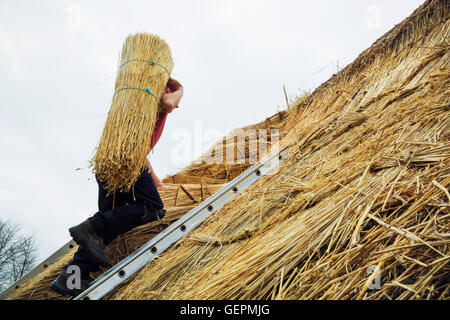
58 61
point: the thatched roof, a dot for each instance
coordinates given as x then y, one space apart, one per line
365 186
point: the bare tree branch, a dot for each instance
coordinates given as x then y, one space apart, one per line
18 254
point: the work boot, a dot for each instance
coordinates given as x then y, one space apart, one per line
65 286
84 234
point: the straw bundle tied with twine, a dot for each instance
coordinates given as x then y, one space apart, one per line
144 70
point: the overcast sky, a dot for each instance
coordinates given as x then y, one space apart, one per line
58 61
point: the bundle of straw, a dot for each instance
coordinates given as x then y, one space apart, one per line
143 72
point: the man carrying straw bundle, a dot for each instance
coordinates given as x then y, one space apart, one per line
119 213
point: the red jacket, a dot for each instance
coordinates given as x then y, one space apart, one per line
159 127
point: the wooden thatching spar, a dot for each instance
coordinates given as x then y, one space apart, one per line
143 73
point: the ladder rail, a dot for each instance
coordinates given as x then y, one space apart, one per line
161 242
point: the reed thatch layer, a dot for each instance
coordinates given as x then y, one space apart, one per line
366 188
145 64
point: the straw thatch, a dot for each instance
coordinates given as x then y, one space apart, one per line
143 72
366 187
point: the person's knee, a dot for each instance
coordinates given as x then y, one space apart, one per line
159 206
152 214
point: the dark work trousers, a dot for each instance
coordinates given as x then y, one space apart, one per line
127 214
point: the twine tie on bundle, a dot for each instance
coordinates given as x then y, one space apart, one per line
147 90
152 62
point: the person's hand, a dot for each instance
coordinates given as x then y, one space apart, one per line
172 96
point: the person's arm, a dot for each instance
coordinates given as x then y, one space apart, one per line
169 101
158 182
